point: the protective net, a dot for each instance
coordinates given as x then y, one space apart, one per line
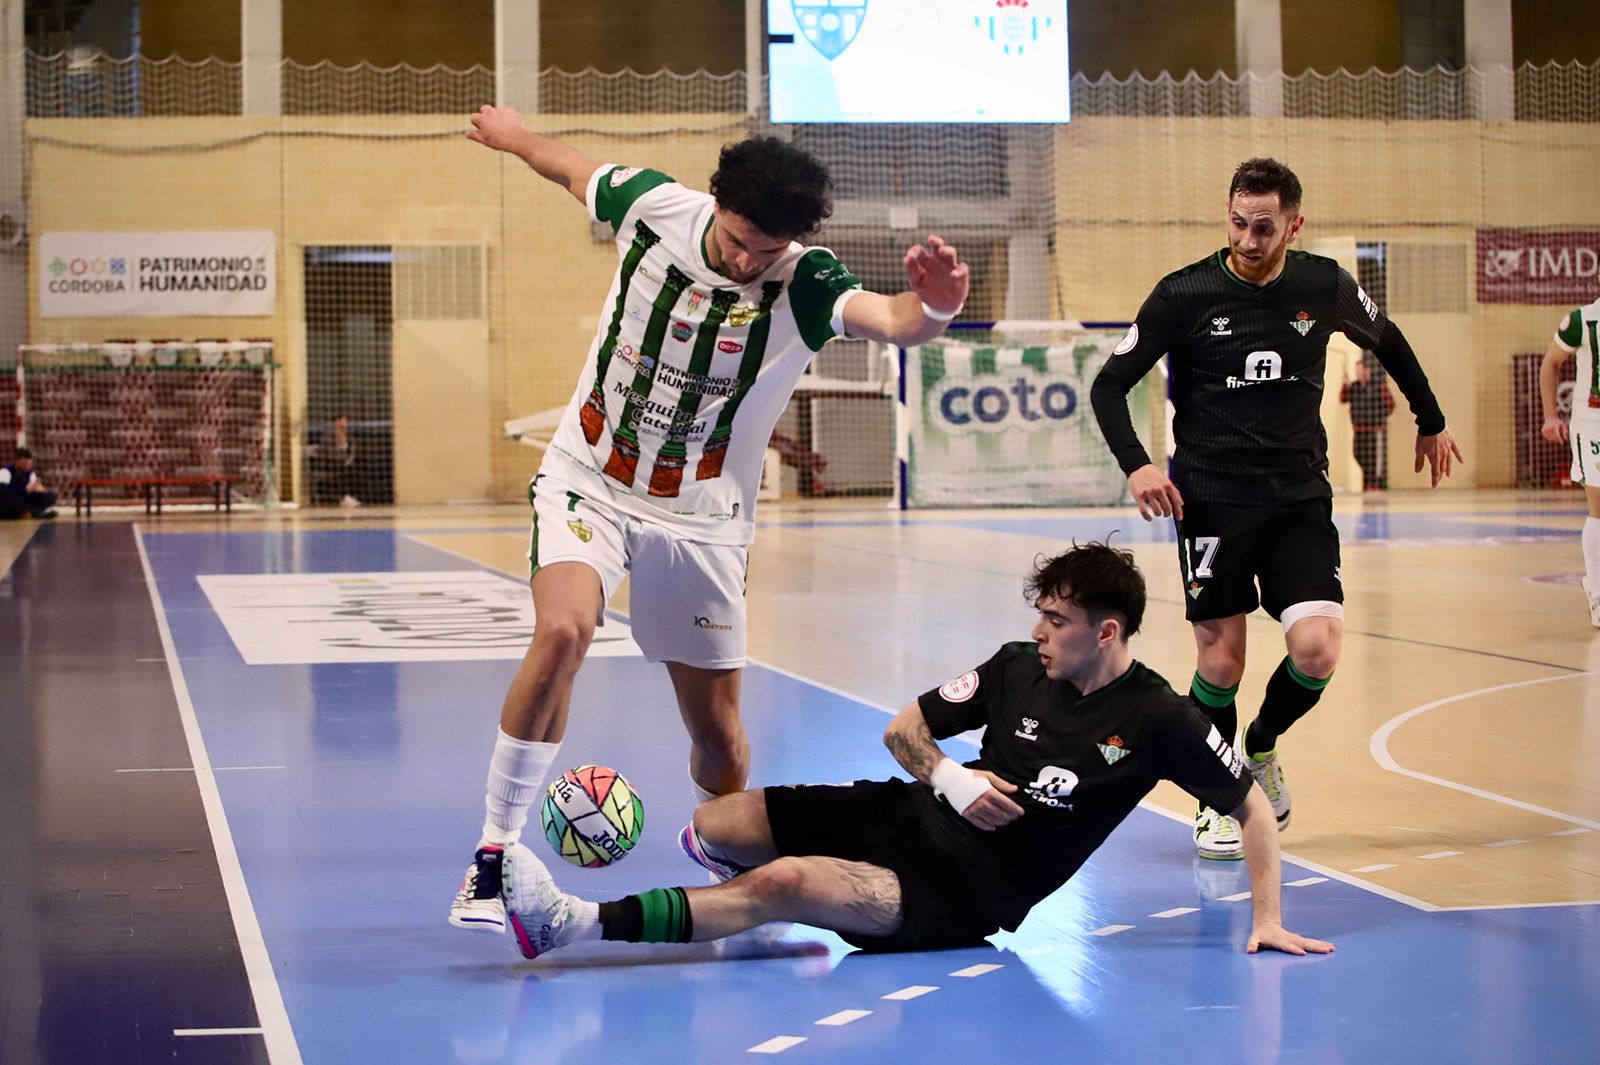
431 291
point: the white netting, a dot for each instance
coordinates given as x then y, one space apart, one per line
431 291
186 412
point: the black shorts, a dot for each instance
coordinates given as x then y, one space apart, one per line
1224 549
876 821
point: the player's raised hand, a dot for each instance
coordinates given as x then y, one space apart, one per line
937 275
496 127
1155 493
1272 936
993 808
1440 452
1554 430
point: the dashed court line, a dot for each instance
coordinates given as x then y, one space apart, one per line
779 1043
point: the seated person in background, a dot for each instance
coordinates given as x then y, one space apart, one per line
21 491
333 467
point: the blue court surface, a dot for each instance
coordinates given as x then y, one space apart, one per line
351 794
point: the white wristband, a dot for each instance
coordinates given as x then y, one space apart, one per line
939 316
956 784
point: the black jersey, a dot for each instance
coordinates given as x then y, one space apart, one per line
1246 373
1081 764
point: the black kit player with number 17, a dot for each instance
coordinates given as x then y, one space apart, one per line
1246 334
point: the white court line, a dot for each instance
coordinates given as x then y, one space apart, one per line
777 1044
906 994
1176 911
1379 747
1307 881
1570 832
1437 855
216 1031
1238 896
1111 929
834 1020
270 1010
1506 843
192 769
977 970
1374 868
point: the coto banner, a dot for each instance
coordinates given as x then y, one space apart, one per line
202 273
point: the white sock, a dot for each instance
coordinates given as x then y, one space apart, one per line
516 769
701 795
585 923
1591 553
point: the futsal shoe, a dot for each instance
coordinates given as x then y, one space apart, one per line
539 911
691 844
478 904
1216 836
1268 772
1594 604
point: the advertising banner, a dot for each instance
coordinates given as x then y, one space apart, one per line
1538 266
210 274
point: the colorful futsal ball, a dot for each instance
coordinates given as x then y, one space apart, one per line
592 816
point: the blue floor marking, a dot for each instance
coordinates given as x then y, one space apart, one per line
352 852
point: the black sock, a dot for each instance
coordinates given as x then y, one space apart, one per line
1216 703
660 915
1290 696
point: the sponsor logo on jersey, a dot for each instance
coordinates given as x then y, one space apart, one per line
729 347
580 530
1029 727
1052 785
1302 323
706 623
742 314
682 331
622 174
961 689
1129 342
1219 328
1113 750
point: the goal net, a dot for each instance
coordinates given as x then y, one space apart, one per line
134 410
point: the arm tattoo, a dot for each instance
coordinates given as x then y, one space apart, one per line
914 748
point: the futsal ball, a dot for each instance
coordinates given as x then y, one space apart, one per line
592 816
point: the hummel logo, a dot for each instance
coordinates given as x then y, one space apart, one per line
1029 725
1219 328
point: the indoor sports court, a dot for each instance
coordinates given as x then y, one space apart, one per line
288 347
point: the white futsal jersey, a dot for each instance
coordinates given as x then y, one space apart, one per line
689 371
1579 333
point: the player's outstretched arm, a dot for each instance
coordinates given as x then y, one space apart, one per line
1554 429
1259 828
976 794
501 128
938 282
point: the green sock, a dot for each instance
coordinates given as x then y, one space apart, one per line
1290 696
1216 703
660 915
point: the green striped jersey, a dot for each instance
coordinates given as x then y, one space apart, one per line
689 371
1579 333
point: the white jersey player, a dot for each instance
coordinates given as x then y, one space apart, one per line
714 312
1579 335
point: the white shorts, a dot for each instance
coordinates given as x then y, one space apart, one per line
1584 438
687 600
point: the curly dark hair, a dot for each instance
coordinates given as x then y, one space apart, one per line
784 190
1260 176
1097 577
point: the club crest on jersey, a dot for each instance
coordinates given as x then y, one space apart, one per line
1195 589
961 689
580 530
1302 323
830 25
1113 750
696 298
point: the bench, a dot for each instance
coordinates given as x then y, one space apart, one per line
151 487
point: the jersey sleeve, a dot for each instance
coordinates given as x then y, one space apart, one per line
819 281
1359 318
614 189
1570 333
1195 757
964 702
1151 336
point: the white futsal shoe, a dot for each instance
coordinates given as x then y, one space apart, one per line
477 905
1268 772
1594 604
539 911
1216 836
